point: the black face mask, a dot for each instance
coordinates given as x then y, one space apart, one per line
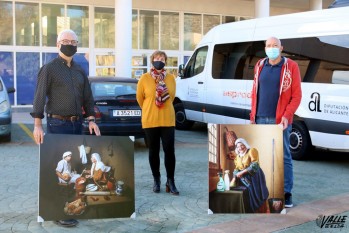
68 50
158 65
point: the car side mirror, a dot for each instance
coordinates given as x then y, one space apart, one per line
11 90
181 70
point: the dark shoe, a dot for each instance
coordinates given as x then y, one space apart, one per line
67 223
288 200
157 183
171 187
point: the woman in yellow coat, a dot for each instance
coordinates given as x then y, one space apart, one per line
155 94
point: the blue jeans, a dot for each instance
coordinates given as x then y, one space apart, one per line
288 167
57 126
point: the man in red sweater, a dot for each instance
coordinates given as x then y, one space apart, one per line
276 95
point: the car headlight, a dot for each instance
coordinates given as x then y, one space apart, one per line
4 106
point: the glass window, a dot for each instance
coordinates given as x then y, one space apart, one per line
210 21
6 20
192 31
47 57
27 24
105 71
77 20
105 60
105 65
104 27
196 63
228 19
104 89
169 31
52 21
172 65
6 70
139 61
172 61
149 30
134 29
229 59
27 71
139 66
137 72
82 60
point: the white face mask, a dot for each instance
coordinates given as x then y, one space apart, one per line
272 53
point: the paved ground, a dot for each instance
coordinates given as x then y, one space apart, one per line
163 212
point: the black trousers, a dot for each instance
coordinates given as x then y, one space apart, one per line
167 136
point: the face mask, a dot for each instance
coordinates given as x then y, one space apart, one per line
68 50
158 65
272 53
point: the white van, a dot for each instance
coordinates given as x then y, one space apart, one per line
215 85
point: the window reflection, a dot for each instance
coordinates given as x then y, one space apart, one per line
137 72
192 31
27 65
52 21
105 71
149 30
169 31
228 19
105 60
77 20
6 71
6 20
134 29
104 27
27 24
210 21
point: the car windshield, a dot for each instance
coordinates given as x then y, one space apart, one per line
113 88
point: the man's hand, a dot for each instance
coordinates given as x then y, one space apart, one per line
93 127
284 123
38 134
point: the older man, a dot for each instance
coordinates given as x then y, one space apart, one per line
64 92
63 88
276 95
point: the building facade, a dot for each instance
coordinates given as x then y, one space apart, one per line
29 29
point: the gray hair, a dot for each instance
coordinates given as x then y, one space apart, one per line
274 38
66 31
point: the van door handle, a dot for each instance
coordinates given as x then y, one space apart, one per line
200 82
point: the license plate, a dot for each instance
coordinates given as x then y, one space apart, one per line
118 113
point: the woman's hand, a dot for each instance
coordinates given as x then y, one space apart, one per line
241 174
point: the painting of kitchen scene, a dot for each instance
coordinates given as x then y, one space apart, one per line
245 168
86 177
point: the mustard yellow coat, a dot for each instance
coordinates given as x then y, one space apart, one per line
245 161
152 115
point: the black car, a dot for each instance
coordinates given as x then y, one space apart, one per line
116 107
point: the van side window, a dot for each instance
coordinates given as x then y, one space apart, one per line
196 64
236 60
320 59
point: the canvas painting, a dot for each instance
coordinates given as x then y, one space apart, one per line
86 177
245 168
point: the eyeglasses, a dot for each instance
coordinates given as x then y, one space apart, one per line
72 42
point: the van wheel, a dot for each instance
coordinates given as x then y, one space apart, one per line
300 143
181 119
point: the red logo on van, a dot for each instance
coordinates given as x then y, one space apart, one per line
237 94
